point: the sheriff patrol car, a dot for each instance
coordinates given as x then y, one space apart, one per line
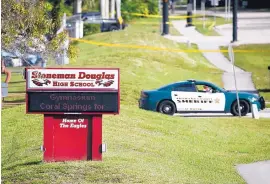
191 96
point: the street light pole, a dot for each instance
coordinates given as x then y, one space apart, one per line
165 16
226 10
159 13
235 7
229 9
189 13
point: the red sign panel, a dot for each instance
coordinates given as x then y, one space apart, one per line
66 138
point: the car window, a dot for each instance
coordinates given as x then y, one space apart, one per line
184 87
206 89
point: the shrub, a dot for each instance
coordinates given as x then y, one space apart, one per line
89 29
138 6
152 7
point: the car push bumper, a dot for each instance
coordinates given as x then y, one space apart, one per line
262 102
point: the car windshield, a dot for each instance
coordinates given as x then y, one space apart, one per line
217 88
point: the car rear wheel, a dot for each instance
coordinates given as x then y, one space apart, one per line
167 107
244 108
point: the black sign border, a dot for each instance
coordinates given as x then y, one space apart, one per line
48 112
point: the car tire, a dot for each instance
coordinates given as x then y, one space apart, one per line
167 107
244 105
113 28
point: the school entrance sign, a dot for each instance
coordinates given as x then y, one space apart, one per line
73 101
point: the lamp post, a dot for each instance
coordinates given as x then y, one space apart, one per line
235 7
189 13
165 16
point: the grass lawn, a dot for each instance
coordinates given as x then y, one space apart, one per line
154 25
16 90
143 147
257 63
209 25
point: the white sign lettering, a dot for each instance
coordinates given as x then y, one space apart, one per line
73 78
73 123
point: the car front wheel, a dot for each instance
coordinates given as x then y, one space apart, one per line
244 108
167 107
113 28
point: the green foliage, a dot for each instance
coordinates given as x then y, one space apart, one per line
89 29
138 6
62 7
22 23
152 7
90 5
73 51
33 27
142 8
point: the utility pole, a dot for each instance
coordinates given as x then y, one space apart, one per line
229 9
189 13
102 8
78 22
107 6
235 7
118 13
78 6
194 4
203 11
226 10
165 12
112 14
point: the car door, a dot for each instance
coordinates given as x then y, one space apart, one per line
185 97
213 101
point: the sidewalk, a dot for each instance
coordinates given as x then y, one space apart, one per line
244 80
255 173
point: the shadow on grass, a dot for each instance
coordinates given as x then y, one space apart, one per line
264 90
17 92
14 101
16 82
24 164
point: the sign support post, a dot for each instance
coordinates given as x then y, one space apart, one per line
96 137
231 54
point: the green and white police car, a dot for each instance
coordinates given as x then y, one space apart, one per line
193 96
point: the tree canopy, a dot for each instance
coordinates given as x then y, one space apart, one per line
31 27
